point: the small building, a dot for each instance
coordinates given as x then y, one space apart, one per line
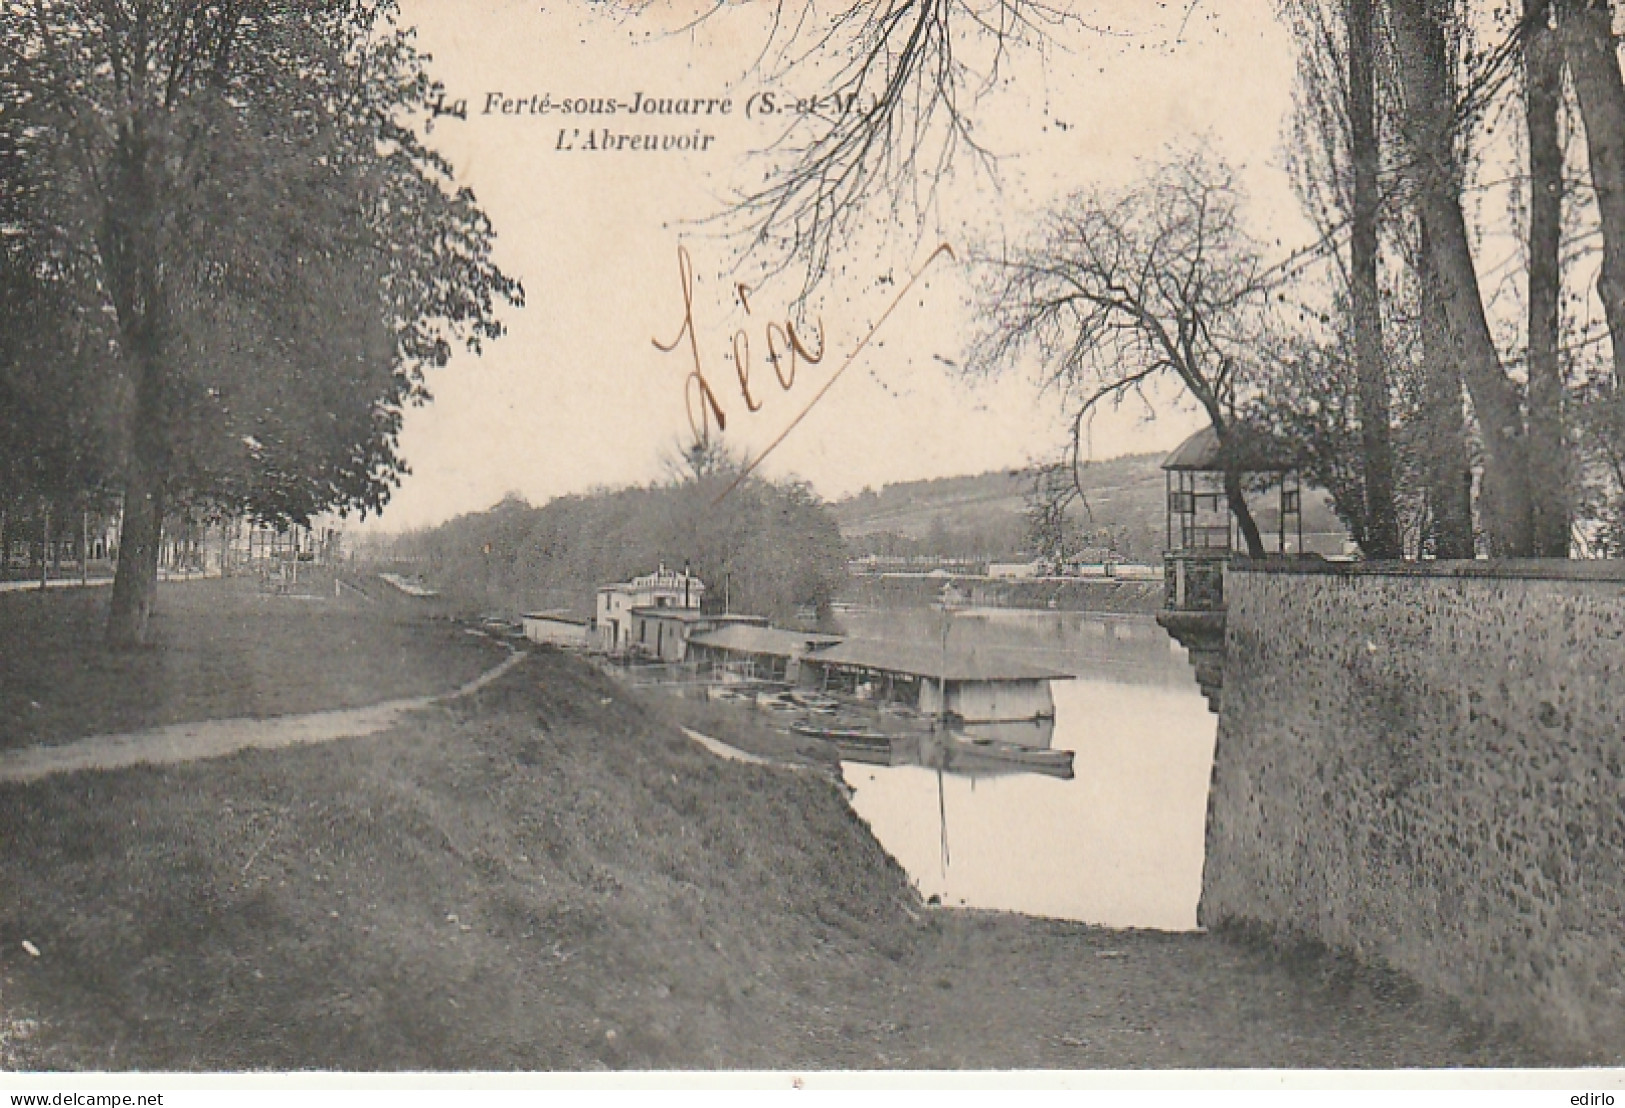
1000 571
1204 534
661 589
557 628
664 633
756 652
1202 531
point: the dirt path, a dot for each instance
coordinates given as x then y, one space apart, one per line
185 742
733 753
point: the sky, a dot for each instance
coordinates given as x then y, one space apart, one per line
577 396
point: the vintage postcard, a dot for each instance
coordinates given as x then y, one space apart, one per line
813 538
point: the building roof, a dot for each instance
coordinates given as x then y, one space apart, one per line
924 661
694 615
739 638
684 615
559 615
1202 453
662 579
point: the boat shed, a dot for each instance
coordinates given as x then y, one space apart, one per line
756 652
979 689
558 628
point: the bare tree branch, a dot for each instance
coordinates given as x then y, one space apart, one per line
899 116
1119 289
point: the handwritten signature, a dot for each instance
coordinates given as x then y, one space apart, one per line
786 350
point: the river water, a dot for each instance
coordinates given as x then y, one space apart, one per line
1121 843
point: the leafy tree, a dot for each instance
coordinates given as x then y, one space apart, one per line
1311 402
56 430
233 187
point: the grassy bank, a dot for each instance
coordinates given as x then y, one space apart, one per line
549 876
222 649
542 880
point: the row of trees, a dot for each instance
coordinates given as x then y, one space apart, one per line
1427 129
1432 360
226 261
767 548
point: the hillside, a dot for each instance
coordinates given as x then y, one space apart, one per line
984 514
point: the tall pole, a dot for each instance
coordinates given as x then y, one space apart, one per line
1297 487
942 726
84 546
45 550
942 676
1168 508
1280 542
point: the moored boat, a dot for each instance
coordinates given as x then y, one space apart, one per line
844 736
778 702
813 702
969 751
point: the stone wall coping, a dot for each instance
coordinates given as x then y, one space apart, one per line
1523 569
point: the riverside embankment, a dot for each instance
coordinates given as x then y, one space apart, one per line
547 874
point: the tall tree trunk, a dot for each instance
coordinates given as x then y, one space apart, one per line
1425 74
45 548
1233 494
1244 515
135 581
1382 518
1447 473
1586 31
130 247
1548 455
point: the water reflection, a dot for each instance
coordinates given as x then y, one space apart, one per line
1120 844
969 750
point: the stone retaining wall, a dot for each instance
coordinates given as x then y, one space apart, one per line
1424 767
